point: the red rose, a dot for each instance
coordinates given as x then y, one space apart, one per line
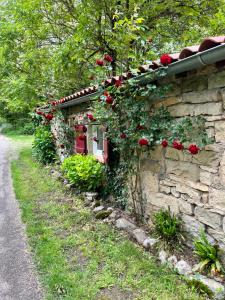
108 58
123 135
100 62
118 83
165 59
39 113
140 127
177 145
164 143
49 117
143 142
91 117
62 146
193 149
106 93
82 137
95 139
109 99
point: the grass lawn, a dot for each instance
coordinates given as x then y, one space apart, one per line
79 258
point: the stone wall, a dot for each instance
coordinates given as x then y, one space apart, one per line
191 186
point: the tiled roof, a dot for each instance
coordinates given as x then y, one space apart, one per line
206 44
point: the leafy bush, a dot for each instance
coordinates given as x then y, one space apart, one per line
84 171
208 254
28 128
43 145
168 229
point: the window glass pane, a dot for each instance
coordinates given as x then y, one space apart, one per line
100 139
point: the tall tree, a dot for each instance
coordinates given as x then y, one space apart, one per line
49 48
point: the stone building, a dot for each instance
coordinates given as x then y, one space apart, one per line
191 186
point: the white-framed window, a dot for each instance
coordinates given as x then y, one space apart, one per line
98 140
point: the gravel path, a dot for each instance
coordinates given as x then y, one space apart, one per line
18 279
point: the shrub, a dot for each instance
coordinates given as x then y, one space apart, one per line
43 145
168 229
84 171
208 254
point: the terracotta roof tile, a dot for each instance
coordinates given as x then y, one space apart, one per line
207 43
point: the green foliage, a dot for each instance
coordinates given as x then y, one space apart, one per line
84 171
116 183
208 254
48 49
43 145
168 228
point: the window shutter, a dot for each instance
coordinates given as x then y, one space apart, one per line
105 150
81 139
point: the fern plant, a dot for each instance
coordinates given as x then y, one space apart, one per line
168 228
208 254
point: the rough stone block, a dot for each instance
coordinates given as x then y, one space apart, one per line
186 207
217 198
152 166
220 131
164 189
174 154
192 193
185 109
192 225
197 186
183 170
216 80
174 192
168 101
139 235
149 182
223 97
222 170
206 177
205 198
194 83
211 170
164 201
209 218
219 235
157 153
167 182
206 158
203 96
224 225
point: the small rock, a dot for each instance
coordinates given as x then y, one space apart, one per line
98 209
183 268
110 209
102 214
65 181
122 223
113 215
91 196
95 203
172 260
163 256
69 186
139 235
149 243
217 288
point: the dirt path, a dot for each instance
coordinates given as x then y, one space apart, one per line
17 275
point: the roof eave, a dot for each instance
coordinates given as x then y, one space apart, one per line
195 61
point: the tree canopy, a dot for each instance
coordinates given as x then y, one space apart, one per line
48 49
